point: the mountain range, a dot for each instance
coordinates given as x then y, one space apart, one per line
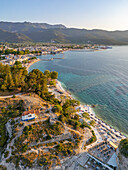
43 32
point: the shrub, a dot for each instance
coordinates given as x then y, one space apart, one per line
85 124
21 124
61 118
2 167
6 154
57 108
48 137
65 149
9 159
43 161
92 122
24 148
123 147
92 139
54 75
86 115
14 96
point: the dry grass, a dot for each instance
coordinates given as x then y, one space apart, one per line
9 101
33 101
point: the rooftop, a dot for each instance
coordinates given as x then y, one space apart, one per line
30 112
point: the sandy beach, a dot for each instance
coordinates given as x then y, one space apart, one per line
89 109
60 88
34 61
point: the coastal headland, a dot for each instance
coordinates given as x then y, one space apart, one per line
47 127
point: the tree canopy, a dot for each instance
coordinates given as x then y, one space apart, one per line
123 147
17 77
54 75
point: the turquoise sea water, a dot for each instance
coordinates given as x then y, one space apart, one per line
99 77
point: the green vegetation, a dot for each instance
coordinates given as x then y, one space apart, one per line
48 159
57 108
86 115
92 122
3 136
123 147
36 33
54 75
47 73
13 108
11 51
67 114
17 78
28 61
6 154
13 37
18 63
2 167
39 132
92 139
42 130
32 58
69 107
2 57
12 78
85 124
52 83
39 135
65 149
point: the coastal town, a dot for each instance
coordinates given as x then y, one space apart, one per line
28 54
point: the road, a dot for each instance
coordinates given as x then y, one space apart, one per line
4 97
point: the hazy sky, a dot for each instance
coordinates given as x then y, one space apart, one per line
90 14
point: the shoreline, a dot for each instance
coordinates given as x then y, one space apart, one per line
92 114
86 107
60 87
31 63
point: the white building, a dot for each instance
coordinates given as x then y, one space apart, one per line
29 115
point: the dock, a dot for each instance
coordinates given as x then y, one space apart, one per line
50 59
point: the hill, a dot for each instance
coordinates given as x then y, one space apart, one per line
72 35
27 26
43 32
10 37
53 131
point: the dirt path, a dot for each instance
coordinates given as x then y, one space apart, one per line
55 139
10 166
10 96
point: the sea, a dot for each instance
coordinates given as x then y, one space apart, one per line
95 77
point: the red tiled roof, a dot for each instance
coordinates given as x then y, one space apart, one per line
30 112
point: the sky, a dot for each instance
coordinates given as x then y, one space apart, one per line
88 14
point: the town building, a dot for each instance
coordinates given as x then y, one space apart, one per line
29 115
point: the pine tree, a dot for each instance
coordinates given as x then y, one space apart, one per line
3 87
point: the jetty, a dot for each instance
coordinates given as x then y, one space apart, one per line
50 59
46 59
